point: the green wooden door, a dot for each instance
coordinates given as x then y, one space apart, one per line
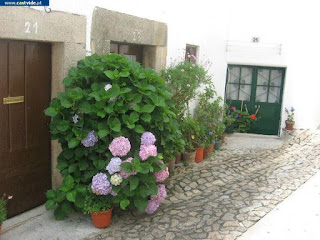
258 89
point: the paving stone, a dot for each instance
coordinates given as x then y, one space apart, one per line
223 196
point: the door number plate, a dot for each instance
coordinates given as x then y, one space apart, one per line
11 100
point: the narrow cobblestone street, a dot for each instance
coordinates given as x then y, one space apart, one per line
223 196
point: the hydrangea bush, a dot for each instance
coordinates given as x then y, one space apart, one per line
109 102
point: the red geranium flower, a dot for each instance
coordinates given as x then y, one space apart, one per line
253 117
233 108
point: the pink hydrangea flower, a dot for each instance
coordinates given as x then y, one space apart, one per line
152 206
162 193
120 146
125 175
188 85
147 151
161 175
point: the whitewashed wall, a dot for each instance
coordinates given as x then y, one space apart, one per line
213 24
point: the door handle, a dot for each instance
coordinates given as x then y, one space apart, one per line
12 100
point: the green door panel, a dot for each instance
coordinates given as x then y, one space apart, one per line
260 89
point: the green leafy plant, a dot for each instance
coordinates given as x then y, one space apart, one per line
3 210
229 117
209 113
193 133
184 79
219 131
245 121
97 203
107 97
290 113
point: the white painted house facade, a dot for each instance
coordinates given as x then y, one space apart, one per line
223 30
267 50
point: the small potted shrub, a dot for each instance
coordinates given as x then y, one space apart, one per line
219 131
290 118
208 113
100 207
199 141
209 144
189 127
3 210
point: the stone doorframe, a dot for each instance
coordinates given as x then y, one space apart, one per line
67 34
110 26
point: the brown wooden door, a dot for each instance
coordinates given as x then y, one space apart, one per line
25 172
133 52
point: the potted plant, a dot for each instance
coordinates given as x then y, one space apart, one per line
189 128
290 118
219 131
208 113
199 141
209 144
3 210
100 208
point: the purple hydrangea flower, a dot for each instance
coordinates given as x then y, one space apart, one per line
114 165
100 184
292 109
152 206
210 133
90 140
162 193
107 87
161 175
75 118
237 115
120 146
125 175
147 151
148 138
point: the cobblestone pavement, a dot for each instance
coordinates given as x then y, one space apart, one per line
223 196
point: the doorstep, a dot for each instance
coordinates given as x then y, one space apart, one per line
41 224
248 141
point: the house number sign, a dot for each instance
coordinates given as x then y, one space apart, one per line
137 36
31 27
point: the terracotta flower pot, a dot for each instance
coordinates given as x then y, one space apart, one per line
172 165
289 125
199 154
189 156
223 138
211 147
102 219
178 158
206 152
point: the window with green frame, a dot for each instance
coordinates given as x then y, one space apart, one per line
239 83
